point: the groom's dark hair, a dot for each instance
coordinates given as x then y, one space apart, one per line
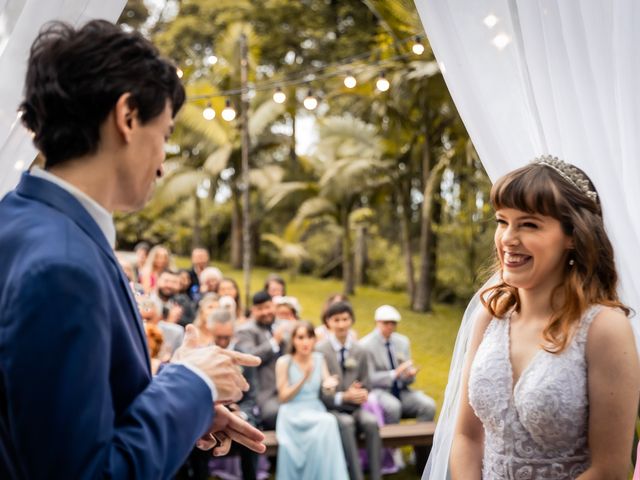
340 307
75 77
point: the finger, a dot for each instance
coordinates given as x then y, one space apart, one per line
206 442
244 428
224 444
243 359
255 445
190 337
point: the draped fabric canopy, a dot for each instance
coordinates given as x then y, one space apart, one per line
20 21
534 77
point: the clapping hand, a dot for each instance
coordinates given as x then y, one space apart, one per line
220 365
406 370
330 383
227 426
356 394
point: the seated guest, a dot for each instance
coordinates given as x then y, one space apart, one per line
349 362
322 331
259 337
172 334
209 280
308 437
185 282
176 307
287 308
199 261
157 262
206 306
228 287
142 252
221 325
392 370
275 285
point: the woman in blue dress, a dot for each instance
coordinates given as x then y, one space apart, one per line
309 445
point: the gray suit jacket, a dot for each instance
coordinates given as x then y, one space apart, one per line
254 339
374 344
358 370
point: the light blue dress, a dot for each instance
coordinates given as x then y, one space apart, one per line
309 445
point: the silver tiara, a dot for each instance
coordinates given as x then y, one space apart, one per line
570 173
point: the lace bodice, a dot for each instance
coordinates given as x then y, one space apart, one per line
536 429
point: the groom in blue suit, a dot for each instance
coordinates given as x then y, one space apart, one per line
77 399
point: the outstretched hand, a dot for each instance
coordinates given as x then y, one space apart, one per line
220 365
228 427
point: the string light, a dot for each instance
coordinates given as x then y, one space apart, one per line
209 113
418 47
310 102
279 96
382 83
211 60
228 113
350 81
179 72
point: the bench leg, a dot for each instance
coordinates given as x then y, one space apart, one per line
422 454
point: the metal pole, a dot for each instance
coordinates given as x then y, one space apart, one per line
244 119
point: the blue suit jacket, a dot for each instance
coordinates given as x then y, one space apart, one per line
77 399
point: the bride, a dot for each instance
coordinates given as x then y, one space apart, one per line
551 379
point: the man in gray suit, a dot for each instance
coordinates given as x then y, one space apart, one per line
393 371
259 337
348 362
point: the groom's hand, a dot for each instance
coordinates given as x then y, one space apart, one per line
227 427
221 366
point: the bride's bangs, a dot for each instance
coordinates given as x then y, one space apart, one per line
530 189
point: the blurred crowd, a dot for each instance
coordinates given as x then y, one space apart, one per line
322 389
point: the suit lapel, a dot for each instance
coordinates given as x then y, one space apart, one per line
51 194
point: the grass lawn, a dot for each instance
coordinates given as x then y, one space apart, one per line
432 335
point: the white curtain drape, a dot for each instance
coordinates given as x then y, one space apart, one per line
559 77
20 21
533 77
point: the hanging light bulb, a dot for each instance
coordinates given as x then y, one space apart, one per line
179 72
211 60
350 81
209 113
382 83
310 102
228 113
279 96
418 47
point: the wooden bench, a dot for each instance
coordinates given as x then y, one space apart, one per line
417 434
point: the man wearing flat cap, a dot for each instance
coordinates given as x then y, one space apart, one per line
393 370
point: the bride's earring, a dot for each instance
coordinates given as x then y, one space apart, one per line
572 262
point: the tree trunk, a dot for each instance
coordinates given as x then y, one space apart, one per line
236 230
426 245
361 255
347 265
405 236
196 240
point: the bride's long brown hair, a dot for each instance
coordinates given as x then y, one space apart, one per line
590 279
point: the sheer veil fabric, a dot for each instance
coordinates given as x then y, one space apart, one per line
20 21
534 77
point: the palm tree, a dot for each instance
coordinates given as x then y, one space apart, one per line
348 164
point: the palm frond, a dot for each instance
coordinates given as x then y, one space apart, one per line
218 160
211 130
264 177
278 192
263 117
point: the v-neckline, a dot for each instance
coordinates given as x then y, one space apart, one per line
516 383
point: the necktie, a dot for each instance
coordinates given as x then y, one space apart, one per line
343 351
395 386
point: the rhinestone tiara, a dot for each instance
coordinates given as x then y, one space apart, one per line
570 173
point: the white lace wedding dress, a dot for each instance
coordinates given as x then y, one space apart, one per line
536 429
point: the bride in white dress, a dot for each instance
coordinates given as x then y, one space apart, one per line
551 379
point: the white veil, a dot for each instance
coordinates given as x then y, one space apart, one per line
438 464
